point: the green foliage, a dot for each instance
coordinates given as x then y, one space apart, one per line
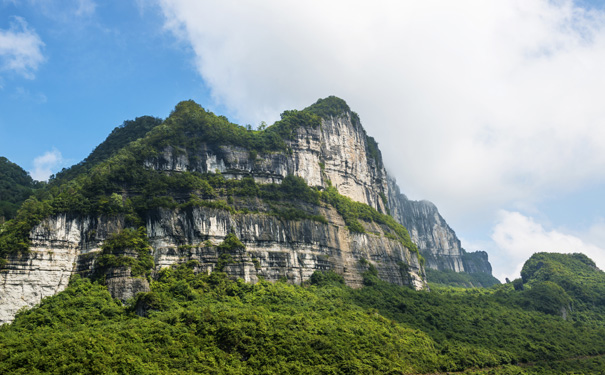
547 297
373 150
198 323
231 242
331 106
127 248
461 279
14 234
209 324
575 274
352 212
120 137
323 278
287 127
15 187
481 327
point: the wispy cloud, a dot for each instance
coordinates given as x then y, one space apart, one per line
65 10
47 164
20 49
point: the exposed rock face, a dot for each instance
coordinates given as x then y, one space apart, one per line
334 151
123 286
275 249
436 241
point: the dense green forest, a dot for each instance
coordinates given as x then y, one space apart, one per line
199 323
461 279
16 186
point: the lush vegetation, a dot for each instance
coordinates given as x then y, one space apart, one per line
15 187
120 137
127 248
209 324
202 323
461 279
352 212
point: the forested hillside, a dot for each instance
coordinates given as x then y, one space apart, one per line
198 323
16 186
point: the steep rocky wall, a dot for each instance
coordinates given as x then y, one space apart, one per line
275 249
334 151
435 239
57 245
337 152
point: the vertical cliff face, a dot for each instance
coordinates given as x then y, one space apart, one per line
436 241
274 249
335 152
57 244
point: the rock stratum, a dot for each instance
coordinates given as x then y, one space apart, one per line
207 181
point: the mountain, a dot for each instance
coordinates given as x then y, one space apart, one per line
308 193
194 245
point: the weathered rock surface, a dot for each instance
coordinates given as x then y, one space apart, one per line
275 249
436 241
336 152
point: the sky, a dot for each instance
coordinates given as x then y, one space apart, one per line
493 110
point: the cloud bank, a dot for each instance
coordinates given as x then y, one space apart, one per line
20 49
477 105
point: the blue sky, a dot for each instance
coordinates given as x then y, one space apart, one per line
492 110
101 67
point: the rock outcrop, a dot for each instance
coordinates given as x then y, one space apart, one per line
274 249
436 241
333 153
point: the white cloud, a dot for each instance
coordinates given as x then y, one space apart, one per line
484 102
20 49
47 164
516 237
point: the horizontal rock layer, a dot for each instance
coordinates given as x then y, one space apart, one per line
274 249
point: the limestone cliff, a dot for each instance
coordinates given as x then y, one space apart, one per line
335 153
274 249
436 241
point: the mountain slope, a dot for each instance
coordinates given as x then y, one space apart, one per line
192 322
15 187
